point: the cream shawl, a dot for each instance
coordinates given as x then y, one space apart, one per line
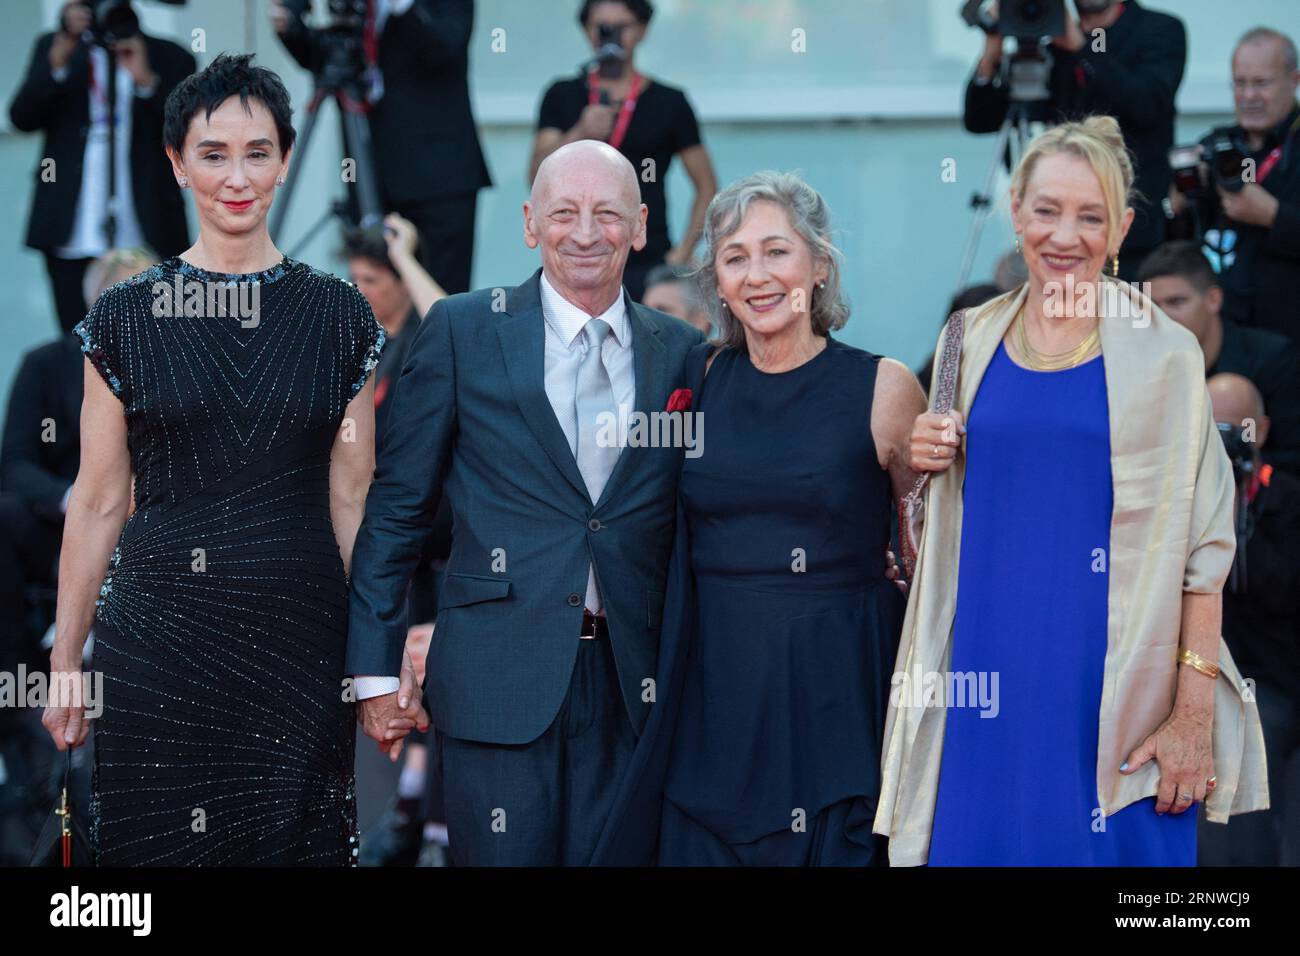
1171 531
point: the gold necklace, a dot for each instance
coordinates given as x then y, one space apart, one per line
1053 361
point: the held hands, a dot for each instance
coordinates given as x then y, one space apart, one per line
388 718
936 439
1182 747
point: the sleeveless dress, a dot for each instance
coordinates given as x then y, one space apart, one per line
227 733
1018 779
776 754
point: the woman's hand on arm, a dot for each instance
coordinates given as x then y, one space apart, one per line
935 440
97 509
1182 746
352 466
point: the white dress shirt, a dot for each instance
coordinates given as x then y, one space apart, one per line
565 348
89 238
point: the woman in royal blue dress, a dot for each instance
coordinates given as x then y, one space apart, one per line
1063 696
794 621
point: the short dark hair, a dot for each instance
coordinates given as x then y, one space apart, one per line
643 10
679 275
226 76
1182 258
369 244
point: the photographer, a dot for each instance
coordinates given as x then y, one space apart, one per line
1185 287
65 95
645 119
1255 224
429 164
1131 71
1261 606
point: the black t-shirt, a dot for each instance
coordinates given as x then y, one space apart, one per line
661 127
1272 362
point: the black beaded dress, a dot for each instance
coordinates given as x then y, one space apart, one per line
227 733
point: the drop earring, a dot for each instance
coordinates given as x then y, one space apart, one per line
183 182
1115 265
1017 243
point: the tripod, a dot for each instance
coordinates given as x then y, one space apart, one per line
339 79
1026 75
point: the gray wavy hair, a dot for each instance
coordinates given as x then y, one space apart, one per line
810 218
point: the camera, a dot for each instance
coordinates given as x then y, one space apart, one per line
1222 153
611 57
110 22
1238 449
344 14
1023 19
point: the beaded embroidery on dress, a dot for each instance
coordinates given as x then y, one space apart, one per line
227 732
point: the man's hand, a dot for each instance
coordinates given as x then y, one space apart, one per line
279 15
131 54
1072 39
74 21
1253 205
388 718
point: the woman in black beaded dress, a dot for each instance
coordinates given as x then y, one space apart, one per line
233 383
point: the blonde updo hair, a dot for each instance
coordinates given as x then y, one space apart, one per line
1098 141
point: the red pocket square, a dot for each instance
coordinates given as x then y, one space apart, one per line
680 400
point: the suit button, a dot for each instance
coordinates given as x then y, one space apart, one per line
575 599
594 524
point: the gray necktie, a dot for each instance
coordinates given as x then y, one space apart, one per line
593 397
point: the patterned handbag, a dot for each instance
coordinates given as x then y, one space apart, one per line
911 510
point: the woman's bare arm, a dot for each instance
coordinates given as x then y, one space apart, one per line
97 510
897 401
352 466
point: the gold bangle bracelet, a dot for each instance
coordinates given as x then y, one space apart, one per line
1198 663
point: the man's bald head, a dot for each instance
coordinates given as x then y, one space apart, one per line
586 214
1237 402
587 160
1235 398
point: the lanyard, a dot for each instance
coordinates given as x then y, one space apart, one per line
624 114
1261 478
1275 154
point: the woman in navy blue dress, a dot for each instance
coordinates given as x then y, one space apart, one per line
775 760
